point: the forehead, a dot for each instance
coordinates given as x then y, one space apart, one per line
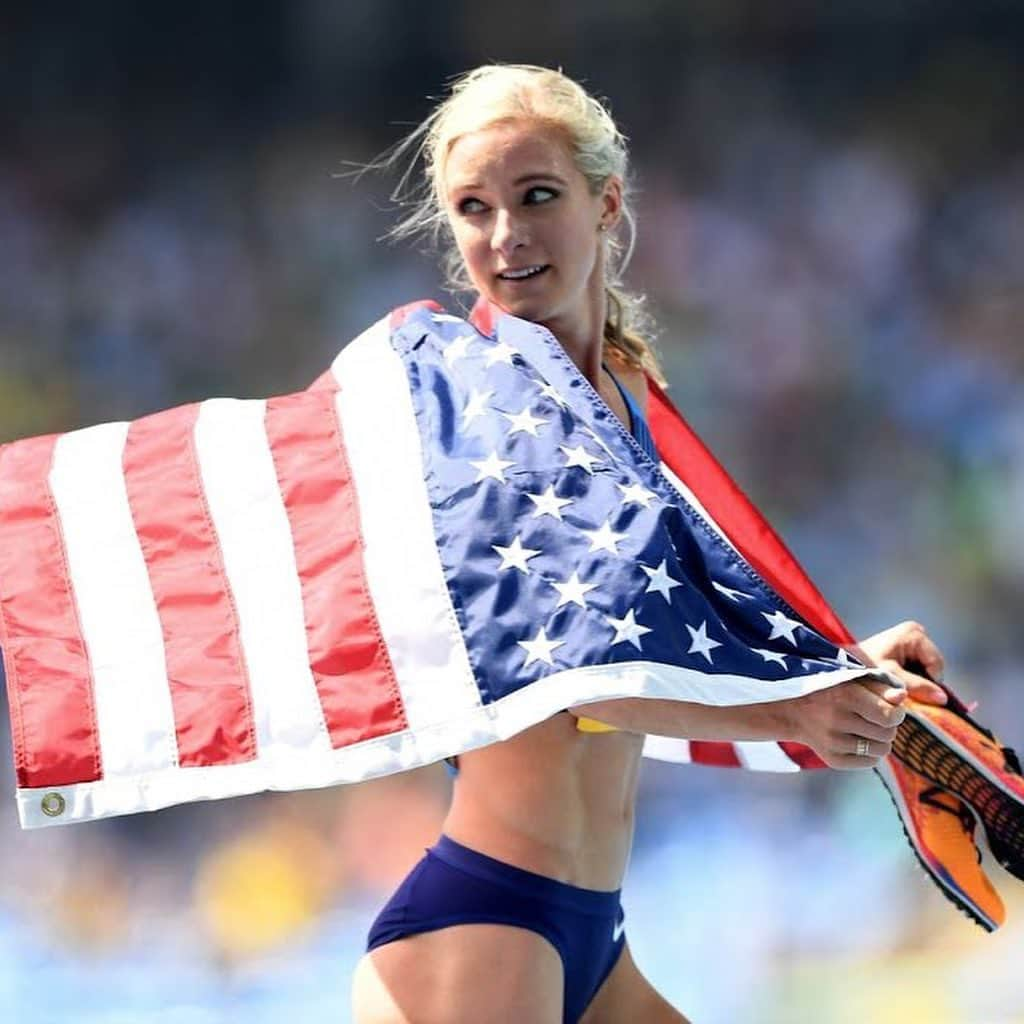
503 152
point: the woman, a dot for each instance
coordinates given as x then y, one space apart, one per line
515 914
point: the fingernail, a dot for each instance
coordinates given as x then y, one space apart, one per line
894 693
940 695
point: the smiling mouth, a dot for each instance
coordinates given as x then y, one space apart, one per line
524 273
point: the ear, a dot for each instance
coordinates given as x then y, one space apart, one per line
611 201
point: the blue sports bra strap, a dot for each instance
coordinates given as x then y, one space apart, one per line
638 424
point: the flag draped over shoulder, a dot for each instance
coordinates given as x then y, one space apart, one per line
447 539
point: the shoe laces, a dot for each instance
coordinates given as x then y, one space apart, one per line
1012 761
930 797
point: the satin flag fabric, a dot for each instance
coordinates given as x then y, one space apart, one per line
445 540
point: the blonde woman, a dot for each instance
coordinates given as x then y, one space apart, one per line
515 915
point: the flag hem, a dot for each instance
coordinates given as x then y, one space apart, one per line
287 769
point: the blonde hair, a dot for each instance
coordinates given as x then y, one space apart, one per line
502 92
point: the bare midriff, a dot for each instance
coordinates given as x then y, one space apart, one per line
553 800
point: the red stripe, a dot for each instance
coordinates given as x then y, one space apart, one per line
801 755
348 657
206 672
484 316
325 382
49 678
399 315
692 461
722 755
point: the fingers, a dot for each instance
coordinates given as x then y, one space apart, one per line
851 763
856 725
852 753
865 716
910 654
926 654
918 686
878 702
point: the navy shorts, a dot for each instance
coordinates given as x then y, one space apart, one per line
453 885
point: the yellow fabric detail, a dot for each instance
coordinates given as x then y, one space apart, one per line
591 725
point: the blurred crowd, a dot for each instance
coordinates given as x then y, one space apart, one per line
839 301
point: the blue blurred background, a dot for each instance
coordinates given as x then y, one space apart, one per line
832 238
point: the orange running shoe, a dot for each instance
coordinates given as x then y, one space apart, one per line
946 746
940 829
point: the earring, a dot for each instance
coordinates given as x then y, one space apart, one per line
602 226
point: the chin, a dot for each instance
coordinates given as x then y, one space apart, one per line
526 307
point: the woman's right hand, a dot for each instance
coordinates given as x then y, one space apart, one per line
833 720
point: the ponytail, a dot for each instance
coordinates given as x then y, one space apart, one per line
623 337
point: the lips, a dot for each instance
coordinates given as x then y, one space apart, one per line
522 273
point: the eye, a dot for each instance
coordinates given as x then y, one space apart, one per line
470 205
539 194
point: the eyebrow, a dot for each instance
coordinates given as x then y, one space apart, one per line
521 180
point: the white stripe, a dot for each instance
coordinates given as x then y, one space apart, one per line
764 757
403 567
116 607
472 728
248 513
694 501
667 748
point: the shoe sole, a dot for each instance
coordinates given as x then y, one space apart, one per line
943 761
944 881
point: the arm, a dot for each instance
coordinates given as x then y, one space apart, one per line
684 719
829 721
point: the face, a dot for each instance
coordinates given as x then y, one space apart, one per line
527 224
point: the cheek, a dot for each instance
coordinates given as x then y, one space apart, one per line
472 248
580 247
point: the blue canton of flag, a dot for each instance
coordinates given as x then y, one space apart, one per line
565 546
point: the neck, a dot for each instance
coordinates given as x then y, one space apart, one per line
582 334
583 346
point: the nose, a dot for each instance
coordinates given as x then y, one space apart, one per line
509 233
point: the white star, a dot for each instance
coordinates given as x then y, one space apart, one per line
524 422
702 643
627 630
636 494
660 581
458 349
844 659
550 391
735 595
515 556
445 318
782 626
476 406
548 504
500 353
540 648
604 538
597 437
578 456
573 591
770 656
492 466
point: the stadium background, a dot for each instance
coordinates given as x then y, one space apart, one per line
832 237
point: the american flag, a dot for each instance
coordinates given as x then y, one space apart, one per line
448 538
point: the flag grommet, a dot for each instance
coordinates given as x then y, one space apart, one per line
53 805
